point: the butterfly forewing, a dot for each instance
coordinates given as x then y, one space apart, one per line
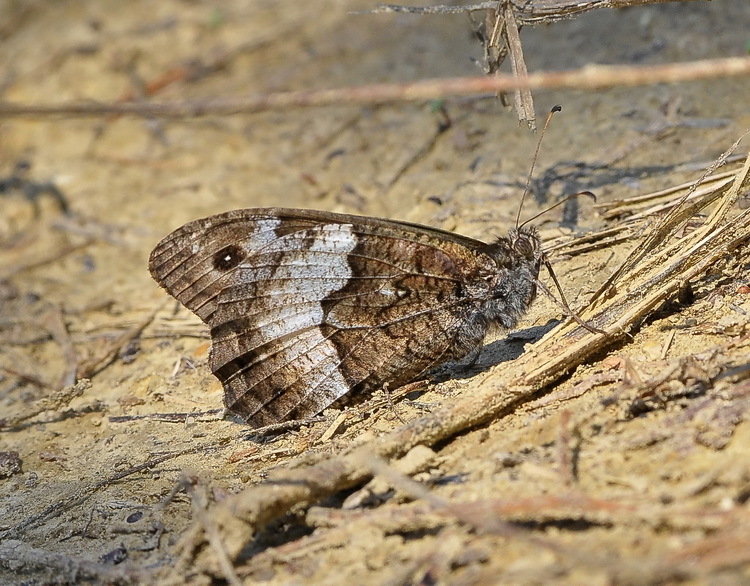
188 263
305 307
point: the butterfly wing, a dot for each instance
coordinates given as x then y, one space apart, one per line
305 307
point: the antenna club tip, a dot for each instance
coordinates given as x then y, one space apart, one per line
556 108
588 194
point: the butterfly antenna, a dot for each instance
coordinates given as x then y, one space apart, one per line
563 302
559 203
533 161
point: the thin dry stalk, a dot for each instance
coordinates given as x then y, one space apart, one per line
645 204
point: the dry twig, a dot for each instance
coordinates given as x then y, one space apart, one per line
59 568
55 401
590 77
81 495
110 351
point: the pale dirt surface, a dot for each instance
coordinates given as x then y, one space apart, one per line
665 486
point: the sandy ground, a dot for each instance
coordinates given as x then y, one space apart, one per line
598 486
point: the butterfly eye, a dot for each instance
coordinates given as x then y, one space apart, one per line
228 257
525 247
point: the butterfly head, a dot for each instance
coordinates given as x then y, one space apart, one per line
525 242
513 284
521 250
528 258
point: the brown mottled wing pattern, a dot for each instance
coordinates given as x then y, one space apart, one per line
307 306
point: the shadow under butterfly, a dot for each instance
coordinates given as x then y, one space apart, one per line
309 308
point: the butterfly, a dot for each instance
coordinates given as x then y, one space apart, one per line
310 308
